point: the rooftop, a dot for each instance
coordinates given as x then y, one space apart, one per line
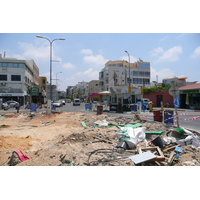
191 87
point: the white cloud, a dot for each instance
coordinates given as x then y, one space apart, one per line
68 66
95 60
39 54
86 51
163 73
89 74
170 55
196 53
132 59
157 51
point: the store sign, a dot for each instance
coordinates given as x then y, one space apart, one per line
190 91
6 94
34 91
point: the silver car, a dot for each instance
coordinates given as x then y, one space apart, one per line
76 102
57 103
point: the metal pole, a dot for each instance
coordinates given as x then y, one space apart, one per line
129 71
51 42
51 70
129 82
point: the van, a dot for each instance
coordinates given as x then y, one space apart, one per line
76 102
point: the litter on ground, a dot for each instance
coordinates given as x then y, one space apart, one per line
85 139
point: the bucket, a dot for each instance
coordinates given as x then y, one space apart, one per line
99 110
158 142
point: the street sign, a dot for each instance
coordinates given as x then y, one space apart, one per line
34 91
176 102
174 90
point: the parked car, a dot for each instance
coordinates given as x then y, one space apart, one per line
5 106
63 101
68 101
12 104
57 103
76 102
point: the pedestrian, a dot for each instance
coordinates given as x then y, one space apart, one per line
27 105
17 107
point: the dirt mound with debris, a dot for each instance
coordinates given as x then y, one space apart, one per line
82 139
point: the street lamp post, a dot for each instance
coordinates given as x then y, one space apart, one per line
51 42
129 82
57 79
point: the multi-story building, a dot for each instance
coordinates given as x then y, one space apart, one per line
80 90
93 90
69 91
17 77
43 86
114 77
93 86
180 81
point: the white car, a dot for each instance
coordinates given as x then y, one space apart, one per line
12 104
63 101
57 103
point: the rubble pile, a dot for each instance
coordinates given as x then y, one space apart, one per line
85 139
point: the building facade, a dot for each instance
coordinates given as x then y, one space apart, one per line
16 79
116 76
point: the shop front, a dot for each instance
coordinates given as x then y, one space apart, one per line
190 96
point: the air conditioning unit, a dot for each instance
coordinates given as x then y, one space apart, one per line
3 84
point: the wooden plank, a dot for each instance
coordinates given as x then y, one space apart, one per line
170 148
171 158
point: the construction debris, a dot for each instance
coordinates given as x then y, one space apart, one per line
84 139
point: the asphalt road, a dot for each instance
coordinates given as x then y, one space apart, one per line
187 118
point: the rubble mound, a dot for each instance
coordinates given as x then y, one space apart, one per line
85 139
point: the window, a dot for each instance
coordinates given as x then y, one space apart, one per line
15 77
137 81
135 73
10 64
21 65
146 81
4 64
143 65
128 80
3 77
16 64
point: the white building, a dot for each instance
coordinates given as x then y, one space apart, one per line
114 77
16 79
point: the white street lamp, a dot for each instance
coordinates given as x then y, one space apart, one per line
51 42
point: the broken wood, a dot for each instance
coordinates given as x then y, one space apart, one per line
102 140
157 150
171 158
170 148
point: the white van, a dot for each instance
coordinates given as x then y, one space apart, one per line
76 102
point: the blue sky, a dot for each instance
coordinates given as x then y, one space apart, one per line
164 33
82 55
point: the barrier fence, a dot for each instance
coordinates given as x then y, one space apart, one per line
146 117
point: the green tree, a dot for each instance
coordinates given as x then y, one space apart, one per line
96 98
